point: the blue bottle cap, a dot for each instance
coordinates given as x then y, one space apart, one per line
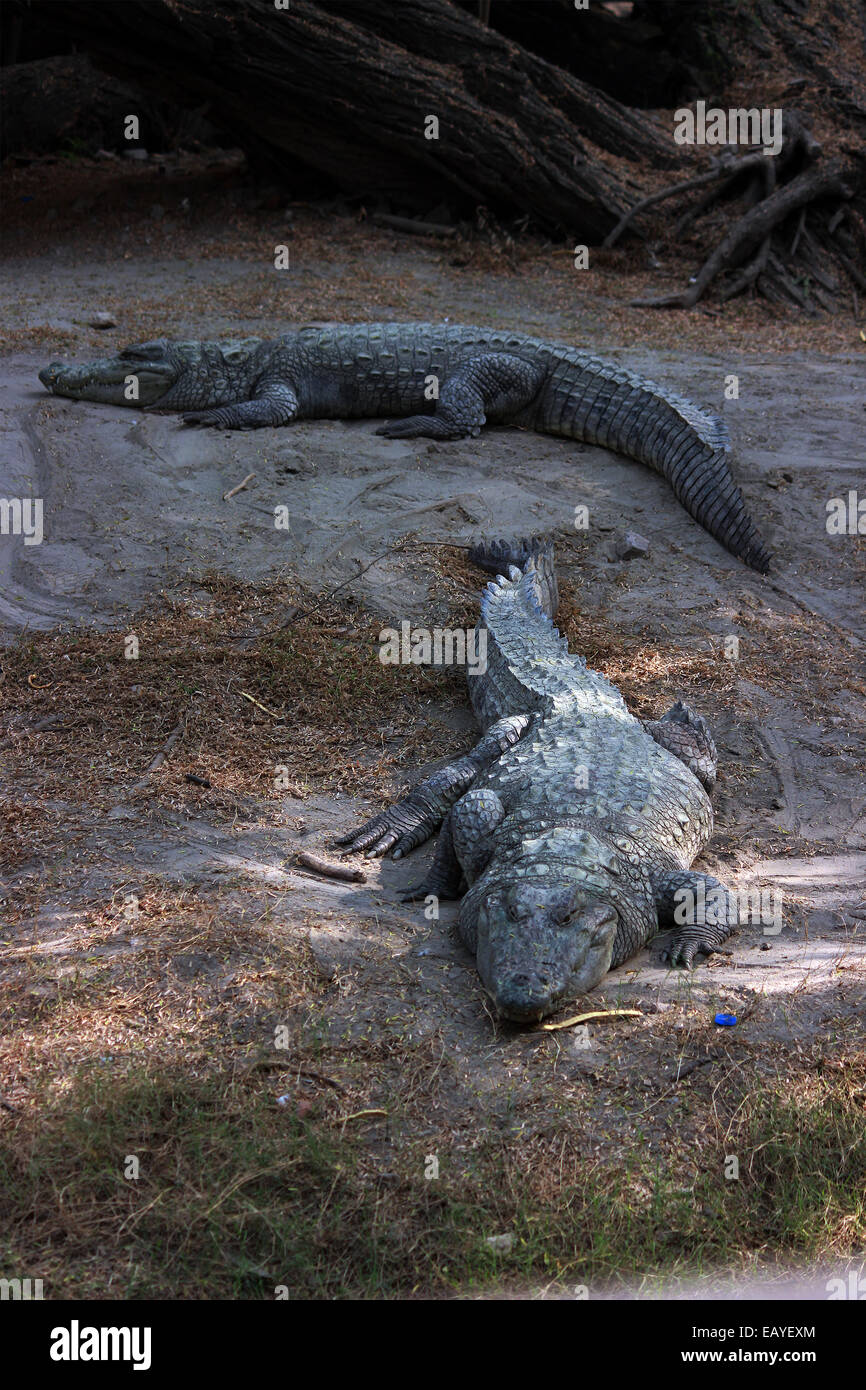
726 1020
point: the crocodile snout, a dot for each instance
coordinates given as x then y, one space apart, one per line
525 998
48 376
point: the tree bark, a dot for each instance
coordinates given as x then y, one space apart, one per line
411 104
349 89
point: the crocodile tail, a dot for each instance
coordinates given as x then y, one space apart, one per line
691 449
588 399
703 483
528 660
497 556
701 478
525 641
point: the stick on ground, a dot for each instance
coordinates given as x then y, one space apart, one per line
330 868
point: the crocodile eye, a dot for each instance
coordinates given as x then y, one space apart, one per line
150 351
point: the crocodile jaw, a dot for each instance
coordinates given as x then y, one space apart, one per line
107 380
538 947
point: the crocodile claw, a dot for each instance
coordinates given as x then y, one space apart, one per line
690 942
373 839
201 418
399 829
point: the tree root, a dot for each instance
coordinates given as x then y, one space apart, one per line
776 190
748 275
753 229
757 264
780 277
724 170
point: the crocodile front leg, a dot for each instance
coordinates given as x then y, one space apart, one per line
444 878
464 846
494 386
703 911
419 814
687 736
473 821
273 403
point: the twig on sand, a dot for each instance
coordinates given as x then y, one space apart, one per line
258 704
413 225
164 750
583 1018
330 868
286 1064
686 1068
240 487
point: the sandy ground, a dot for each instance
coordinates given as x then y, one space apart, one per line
134 508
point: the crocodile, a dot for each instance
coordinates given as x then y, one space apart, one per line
571 827
447 380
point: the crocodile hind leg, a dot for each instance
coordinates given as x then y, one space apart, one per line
274 403
688 737
493 387
418 815
703 911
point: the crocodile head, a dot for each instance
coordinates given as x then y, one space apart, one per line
155 367
540 944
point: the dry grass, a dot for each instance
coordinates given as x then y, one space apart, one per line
236 1195
326 706
796 654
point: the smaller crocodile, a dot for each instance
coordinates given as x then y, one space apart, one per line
571 827
447 380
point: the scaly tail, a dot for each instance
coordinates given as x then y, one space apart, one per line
496 556
701 478
686 444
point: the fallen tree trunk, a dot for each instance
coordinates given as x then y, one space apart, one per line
411 105
418 98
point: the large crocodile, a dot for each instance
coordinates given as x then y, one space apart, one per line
449 381
571 825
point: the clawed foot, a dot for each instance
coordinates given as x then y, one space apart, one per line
200 418
421 427
376 837
692 941
399 829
